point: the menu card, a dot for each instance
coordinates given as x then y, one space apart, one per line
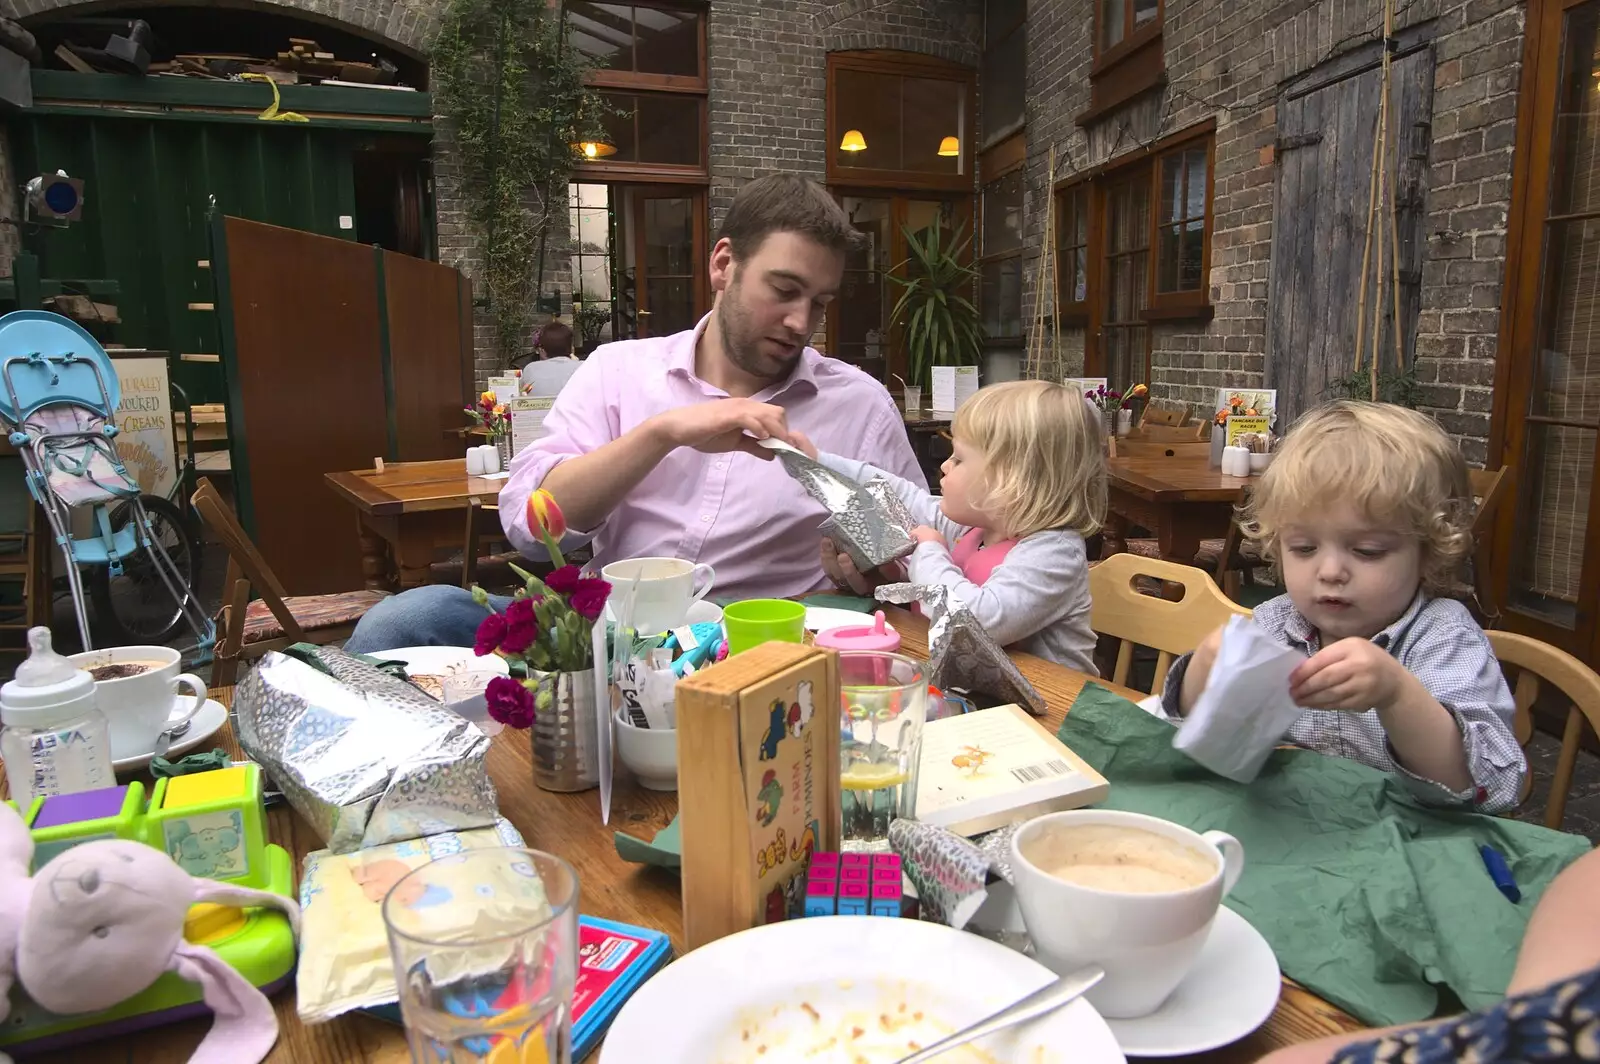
952 386
527 420
504 389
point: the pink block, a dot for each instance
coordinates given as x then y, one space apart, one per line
854 889
820 889
824 858
855 874
851 860
886 890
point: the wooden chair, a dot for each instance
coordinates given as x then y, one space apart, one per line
1130 447
1155 415
1169 627
1540 663
492 570
248 629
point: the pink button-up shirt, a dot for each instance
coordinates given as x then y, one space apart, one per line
745 517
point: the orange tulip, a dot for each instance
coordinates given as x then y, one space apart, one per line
1139 391
544 514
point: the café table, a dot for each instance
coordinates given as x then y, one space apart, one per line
1180 498
569 825
404 512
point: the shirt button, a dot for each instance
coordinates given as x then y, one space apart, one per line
722 465
705 518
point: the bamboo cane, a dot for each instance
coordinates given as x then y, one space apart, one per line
1394 195
1366 247
1055 266
1377 278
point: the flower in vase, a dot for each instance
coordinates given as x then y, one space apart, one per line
509 702
545 515
589 598
1138 391
491 632
564 581
521 627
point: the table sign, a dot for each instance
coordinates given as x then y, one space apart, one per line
527 420
1239 426
1084 385
758 735
505 389
952 386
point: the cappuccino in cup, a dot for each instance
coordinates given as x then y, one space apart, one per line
1122 859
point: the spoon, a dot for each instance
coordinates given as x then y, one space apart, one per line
1047 999
165 740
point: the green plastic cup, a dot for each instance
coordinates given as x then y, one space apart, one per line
755 621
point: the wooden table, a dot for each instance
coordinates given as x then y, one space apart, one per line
569 825
406 511
1180 499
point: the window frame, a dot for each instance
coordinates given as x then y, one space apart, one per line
1133 38
1178 305
991 43
1133 66
1074 311
1005 159
905 65
633 79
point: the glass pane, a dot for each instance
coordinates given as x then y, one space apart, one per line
671 305
923 214
1191 263
1001 15
589 222
620 124
932 112
1169 240
669 129
669 237
1080 275
862 307
1002 214
1576 176
869 104
1001 298
1552 522
1144 11
668 42
1004 84
1171 187
1566 383
1196 161
1127 281
1113 15
604 32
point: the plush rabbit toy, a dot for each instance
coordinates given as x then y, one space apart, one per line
103 920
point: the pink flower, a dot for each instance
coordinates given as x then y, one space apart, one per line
589 598
564 580
521 627
509 702
490 633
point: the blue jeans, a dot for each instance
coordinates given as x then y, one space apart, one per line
435 615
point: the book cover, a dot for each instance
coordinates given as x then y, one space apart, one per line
614 960
980 771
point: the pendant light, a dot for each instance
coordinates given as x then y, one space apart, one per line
853 141
949 146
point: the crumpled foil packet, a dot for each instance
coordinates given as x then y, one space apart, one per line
367 759
965 657
951 873
867 521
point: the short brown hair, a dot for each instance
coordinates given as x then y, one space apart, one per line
555 339
786 203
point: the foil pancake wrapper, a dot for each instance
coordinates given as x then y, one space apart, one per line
867 521
964 656
366 758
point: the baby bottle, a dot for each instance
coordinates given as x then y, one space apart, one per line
54 739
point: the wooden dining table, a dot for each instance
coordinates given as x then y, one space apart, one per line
1180 498
569 825
407 511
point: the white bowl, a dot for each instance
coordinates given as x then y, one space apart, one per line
650 754
1259 462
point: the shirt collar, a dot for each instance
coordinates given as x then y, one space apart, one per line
680 361
1297 628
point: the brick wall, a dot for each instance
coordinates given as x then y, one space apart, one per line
1228 61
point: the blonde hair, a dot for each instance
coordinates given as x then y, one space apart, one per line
1398 467
1044 466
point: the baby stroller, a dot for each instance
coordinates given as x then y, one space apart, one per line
60 395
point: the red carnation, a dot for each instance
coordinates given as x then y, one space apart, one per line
509 702
522 627
490 632
564 581
590 598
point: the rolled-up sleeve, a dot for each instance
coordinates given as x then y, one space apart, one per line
584 417
1458 667
889 447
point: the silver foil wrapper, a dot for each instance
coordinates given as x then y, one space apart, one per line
366 758
867 521
964 655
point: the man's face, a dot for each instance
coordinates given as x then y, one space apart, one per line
769 304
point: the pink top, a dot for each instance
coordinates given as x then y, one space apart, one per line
747 518
977 563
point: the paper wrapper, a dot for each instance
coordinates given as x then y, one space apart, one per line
367 759
951 873
867 521
965 657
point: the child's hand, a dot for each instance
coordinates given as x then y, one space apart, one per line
924 534
1198 672
1352 674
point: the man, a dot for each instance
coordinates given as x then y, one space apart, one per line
651 447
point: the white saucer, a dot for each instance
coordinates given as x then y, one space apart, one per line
821 618
1231 991
701 612
202 726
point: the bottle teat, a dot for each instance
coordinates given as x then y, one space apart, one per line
879 625
43 666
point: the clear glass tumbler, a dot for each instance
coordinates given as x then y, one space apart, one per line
485 949
884 703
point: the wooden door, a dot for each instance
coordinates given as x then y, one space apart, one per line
670 253
1547 550
429 373
1326 123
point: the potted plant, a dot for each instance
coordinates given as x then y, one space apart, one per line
940 324
546 634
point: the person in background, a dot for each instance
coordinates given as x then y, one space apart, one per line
1025 484
651 447
553 340
1367 510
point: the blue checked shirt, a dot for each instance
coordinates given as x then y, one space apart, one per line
1439 643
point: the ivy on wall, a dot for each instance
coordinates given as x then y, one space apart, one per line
514 91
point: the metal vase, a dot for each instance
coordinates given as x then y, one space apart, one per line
502 446
566 739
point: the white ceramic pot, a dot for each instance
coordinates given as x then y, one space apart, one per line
649 753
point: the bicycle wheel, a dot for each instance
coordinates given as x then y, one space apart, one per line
138 607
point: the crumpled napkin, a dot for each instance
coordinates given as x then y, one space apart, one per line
1245 708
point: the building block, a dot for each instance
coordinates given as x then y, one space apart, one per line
213 824
854 898
821 898
886 899
62 821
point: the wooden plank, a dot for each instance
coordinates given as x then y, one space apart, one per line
423 301
69 57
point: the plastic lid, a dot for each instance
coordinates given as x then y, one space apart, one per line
856 637
48 689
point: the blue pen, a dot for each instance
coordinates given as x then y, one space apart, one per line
1500 872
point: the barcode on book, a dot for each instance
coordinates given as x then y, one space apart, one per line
1035 773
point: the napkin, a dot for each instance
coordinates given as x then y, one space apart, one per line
664 851
1245 708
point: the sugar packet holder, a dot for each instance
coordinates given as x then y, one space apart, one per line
868 521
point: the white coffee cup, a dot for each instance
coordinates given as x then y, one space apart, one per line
139 708
666 588
1146 942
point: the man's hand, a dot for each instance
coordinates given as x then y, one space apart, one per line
802 441
723 425
1198 672
924 534
843 572
1352 674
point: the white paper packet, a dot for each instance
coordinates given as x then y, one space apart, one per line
1245 708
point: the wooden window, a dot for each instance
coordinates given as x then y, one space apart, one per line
1005 56
1072 252
1128 56
1122 22
1000 268
899 120
1182 261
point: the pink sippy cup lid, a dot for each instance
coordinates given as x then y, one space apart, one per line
877 636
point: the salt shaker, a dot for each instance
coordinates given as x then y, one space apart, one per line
54 738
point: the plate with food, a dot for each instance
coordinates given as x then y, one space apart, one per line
427 667
867 990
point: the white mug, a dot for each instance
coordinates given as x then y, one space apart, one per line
667 588
139 708
1146 942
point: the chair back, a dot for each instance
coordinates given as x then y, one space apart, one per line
1538 664
247 569
1129 447
482 519
1170 628
1155 415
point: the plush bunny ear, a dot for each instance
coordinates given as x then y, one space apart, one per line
245 1026
246 897
16 842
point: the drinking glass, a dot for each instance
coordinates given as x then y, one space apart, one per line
884 703
485 950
